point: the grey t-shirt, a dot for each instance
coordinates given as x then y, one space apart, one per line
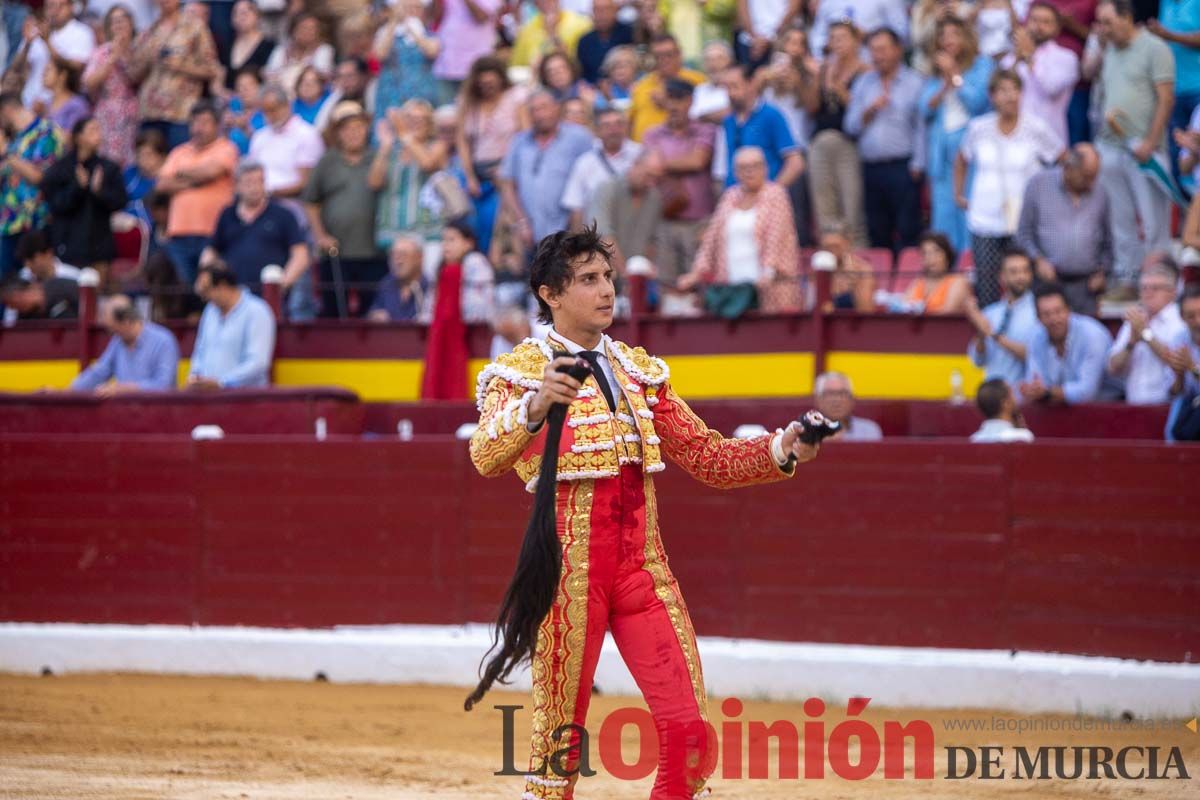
1129 77
347 203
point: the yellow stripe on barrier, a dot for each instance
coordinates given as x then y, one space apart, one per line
374 380
29 376
911 376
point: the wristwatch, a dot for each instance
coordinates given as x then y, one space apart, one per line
1147 335
956 81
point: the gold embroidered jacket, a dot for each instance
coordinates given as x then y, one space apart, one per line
650 421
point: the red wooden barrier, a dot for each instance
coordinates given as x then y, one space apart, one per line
1076 547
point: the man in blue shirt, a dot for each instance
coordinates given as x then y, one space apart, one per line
1004 328
256 232
606 33
1067 354
755 123
883 116
236 339
141 355
535 169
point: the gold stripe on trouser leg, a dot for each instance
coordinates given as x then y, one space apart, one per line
558 659
667 591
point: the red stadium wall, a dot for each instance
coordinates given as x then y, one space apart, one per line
903 543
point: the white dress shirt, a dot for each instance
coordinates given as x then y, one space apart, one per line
998 431
1148 379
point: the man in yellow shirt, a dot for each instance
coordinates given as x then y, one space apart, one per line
648 102
552 28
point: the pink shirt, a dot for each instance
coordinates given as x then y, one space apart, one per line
463 39
697 185
1048 84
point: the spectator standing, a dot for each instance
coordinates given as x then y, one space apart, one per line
1002 420
466 31
352 81
33 144
1138 81
606 33
884 116
59 35
409 154
150 153
556 73
1003 329
1048 70
534 172
174 60
491 113
627 210
65 105
710 102
198 176
250 46
244 116
648 104
1178 24
834 171
1004 149
304 47
834 397
759 23
951 98
923 22
256 231
551 28
1077 18
939 290
84 190
405 51
620 70
611 157
686 148
110 88
1065 228
866 15
461 295
1141 354
755 123
235 341
749 256
310 95
342 206
1066 355
140 356
400 296
287 147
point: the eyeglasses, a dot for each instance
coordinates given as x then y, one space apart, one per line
1155 287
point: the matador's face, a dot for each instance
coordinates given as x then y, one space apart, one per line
586 303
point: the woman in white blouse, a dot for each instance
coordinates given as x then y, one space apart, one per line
1003 150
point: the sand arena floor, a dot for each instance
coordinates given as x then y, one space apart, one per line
141 737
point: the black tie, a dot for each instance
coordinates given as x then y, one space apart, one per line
593 358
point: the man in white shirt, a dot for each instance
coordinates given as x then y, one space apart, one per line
612 157
1002 420
59 34
287 147
1140 355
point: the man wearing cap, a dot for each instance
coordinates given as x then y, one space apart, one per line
341 198
686 148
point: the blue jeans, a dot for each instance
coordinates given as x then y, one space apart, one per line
1079 129
184 252
8 255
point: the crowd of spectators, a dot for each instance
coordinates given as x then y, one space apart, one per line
399 160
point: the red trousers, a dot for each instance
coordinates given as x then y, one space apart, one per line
615 577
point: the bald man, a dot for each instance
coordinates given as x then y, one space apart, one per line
1064 228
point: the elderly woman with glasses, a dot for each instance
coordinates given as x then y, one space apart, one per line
748 257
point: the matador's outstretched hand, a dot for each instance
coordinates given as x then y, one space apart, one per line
802 438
